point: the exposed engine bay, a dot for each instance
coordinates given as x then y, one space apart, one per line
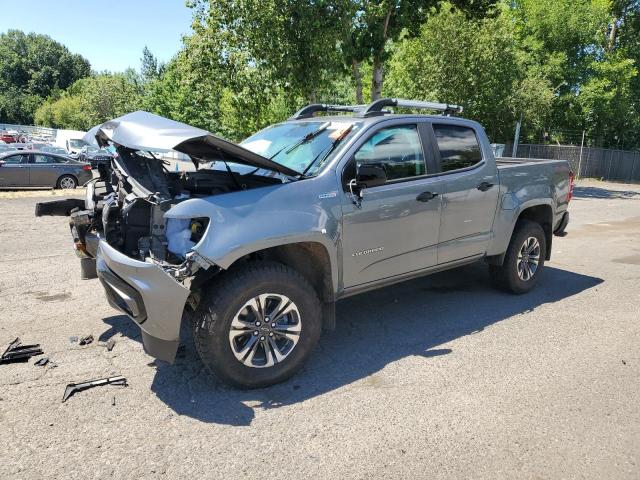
127 204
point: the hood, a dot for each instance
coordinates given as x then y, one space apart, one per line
148 132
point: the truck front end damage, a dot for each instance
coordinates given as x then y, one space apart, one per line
124 234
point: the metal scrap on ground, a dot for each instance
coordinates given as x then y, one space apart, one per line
16 352
77 387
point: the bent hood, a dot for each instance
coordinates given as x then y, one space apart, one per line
148 132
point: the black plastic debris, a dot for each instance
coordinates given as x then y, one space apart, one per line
86 340
42 362
16 352
78 387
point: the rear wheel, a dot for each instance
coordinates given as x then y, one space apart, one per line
258 325
524 259
67 182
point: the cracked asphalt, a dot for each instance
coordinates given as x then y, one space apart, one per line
440 377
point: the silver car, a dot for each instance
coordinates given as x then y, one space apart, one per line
35 169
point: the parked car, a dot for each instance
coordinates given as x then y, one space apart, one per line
6 147
7 137
94 155
36 169
256 250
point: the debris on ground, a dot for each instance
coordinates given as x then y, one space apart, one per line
78 387
16 352
86 340
73 339
42 362
109 344
113 401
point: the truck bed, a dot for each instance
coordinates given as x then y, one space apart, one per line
507 162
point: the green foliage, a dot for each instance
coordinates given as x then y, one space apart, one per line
92 100
474 63
559 65
32 67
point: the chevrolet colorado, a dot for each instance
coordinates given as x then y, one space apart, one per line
256 245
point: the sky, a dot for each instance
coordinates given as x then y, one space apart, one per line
109 33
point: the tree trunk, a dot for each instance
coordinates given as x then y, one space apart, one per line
377 76
312 96
357 75
613 33
376 79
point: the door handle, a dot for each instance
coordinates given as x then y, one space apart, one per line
484 186
426 196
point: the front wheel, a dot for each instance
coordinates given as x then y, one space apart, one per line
524 259
257 326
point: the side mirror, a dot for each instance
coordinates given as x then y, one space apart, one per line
371 175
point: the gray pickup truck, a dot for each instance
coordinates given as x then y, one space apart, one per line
256 245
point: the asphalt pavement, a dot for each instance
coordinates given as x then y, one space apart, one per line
440 377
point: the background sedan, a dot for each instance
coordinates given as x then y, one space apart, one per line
33 169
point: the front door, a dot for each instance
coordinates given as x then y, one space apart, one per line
394 230
470 193
14 172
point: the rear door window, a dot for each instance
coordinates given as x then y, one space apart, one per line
458 147
43 159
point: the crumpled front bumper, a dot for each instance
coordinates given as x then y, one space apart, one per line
148 295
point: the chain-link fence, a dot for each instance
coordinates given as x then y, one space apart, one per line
608 164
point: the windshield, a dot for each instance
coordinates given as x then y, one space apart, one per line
301 146
75 143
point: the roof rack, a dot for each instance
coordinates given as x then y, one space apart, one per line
309 110
376 108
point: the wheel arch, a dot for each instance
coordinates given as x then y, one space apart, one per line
312 259
539 212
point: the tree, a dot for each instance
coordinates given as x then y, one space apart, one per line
150 68
32 67
93 100
475 63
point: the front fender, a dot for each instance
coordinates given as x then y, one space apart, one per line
248 221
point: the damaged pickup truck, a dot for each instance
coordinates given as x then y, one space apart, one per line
256 245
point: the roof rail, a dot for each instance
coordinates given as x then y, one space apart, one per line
309 110
376 108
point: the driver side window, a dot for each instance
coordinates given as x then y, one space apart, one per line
396 149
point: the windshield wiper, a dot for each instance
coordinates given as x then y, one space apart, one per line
307 138
328 150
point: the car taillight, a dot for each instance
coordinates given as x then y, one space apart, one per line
571 182
87 168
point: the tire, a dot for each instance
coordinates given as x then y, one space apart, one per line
516 274
224 312
67 181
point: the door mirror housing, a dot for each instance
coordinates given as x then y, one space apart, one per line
371 175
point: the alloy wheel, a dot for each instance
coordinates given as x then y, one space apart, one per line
265 330
528 259
67 182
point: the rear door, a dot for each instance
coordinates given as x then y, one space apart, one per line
470 196
45 170
15 171
394 230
